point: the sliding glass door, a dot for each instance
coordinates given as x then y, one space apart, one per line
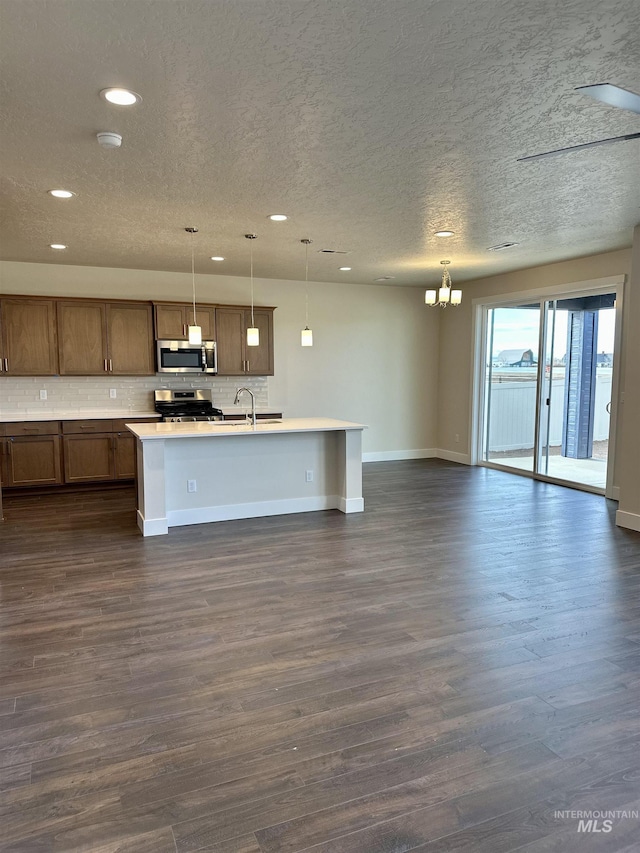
548 379
576 389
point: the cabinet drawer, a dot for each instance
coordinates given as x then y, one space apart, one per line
86 427
119 423
31 428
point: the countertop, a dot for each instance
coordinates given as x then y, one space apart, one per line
100 414
203 429
66 415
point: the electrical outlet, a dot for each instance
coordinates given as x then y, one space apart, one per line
308 476
113 393
43 395
192 486
457 437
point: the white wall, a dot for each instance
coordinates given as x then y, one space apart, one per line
628 457
375 353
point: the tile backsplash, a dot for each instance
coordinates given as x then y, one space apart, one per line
21 394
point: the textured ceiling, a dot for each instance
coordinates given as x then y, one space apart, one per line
371 124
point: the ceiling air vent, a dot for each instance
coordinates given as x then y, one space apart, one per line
385 278
331 252
500 247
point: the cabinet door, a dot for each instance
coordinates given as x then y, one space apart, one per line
170 323
29 337
206 320
230 341
130 338
82 338
125 456
88 458
259 360
32 461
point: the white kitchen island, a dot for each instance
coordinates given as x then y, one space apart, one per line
195 473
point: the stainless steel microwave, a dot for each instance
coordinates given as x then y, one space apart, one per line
183 357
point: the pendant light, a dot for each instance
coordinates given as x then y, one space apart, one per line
253 333
306 335
445 295
194 331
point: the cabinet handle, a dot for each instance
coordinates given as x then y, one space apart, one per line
105 365
110 365
6 365
0 365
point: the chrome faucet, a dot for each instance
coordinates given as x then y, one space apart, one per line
253 402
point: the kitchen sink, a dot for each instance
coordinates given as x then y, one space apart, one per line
245 423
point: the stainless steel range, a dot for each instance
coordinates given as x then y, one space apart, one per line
179 406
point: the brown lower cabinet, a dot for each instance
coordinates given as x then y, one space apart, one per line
53 453
30 460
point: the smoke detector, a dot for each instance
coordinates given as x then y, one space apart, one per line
108 139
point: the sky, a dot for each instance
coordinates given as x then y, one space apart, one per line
518 328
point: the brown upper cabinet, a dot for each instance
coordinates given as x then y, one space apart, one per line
173 321
235 358
105 337
28 337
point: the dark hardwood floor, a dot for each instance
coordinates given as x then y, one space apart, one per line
444 672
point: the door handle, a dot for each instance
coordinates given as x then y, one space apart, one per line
608 407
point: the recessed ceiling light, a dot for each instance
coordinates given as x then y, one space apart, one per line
217 258
57 246
501 246
278 217
444 233
120 97
61 193
345 269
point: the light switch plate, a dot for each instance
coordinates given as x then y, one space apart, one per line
43 395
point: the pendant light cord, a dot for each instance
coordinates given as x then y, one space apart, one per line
193 282
306 285
253 325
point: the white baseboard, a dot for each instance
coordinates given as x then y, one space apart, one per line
397 455
153 526
258 509
452 456
630 520
351 504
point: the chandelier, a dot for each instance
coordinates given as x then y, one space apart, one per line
445 295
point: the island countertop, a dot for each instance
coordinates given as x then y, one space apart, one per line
209 429
202 471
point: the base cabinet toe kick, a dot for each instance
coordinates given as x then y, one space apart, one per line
197 473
